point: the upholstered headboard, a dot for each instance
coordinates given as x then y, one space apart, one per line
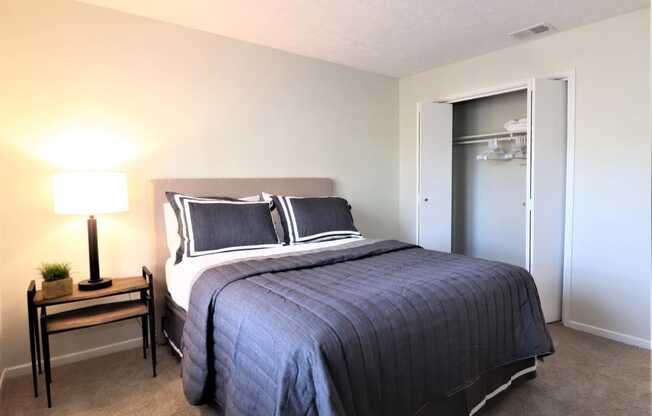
231 187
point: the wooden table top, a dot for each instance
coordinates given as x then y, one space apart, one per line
120 285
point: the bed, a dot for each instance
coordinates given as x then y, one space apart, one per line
355 326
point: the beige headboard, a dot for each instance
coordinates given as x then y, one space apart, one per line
231 187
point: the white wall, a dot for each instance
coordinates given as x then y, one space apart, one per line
84 87
611 250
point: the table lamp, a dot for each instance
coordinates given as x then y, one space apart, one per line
91 193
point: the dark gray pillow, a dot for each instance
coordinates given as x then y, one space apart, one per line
216 225
309 220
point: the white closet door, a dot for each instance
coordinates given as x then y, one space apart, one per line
548 172
435 176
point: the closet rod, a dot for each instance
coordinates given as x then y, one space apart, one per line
484 138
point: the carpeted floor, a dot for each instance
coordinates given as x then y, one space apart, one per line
587 376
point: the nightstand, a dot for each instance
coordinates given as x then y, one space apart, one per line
89 316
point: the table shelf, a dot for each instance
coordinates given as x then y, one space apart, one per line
94 315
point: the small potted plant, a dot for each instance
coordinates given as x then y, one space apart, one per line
56 280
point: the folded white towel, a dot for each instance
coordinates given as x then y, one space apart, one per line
516 125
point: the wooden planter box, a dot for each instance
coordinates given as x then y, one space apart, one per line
57 288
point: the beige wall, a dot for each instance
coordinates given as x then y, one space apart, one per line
611 249
2 361
83 87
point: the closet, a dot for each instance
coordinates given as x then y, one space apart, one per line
491 180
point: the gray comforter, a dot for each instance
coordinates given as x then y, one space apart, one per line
376 329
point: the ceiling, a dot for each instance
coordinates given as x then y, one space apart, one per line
392 37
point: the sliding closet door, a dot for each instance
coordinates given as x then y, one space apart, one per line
548 173
435 175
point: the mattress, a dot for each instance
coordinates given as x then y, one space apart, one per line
181 277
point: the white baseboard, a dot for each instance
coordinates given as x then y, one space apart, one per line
2 381
73 357
606 333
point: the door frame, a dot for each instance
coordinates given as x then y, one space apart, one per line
569 194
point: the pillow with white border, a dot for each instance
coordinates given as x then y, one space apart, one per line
314 219
181 233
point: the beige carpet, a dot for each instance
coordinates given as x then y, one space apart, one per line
587 376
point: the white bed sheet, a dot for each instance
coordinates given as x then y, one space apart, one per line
181 277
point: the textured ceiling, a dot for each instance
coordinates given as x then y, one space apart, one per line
392 37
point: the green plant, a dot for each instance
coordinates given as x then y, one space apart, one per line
54 271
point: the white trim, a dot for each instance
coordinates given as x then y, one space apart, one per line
528 177
22 369
313 237
569 195
3 376
418 159
486 92
333 238
613 335
286 213
184 228
504 387
293 221
172 344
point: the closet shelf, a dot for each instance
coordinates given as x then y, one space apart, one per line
481 138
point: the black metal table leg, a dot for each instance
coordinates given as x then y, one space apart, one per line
30 320
151 316
152 337
143 324
37 338
46 355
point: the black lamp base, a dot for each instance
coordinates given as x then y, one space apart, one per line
95 284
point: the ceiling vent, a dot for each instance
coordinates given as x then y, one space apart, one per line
531 31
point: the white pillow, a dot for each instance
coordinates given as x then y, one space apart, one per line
171 229
253 198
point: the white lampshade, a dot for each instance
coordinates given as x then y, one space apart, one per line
89 193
